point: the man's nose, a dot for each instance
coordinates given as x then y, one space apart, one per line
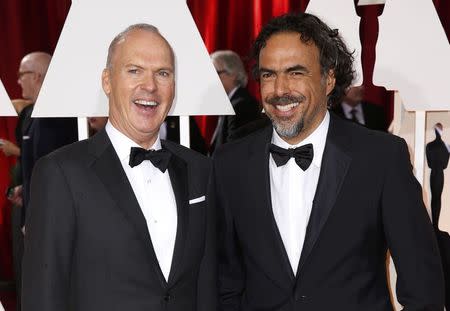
281 85
149 83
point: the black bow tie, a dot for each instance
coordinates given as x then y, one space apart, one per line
159 158
303 155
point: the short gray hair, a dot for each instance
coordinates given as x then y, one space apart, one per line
232 64
121 36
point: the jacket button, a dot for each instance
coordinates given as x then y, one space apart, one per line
300 297
167 297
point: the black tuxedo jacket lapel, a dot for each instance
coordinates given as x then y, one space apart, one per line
272 252
339 111
179 179
335 164
108 168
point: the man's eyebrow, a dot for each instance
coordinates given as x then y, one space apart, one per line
167 68
262 69
171 69
133 65
297 68
288 69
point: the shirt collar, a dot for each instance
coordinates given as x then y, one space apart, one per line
232 92
122 144
317 139
347 108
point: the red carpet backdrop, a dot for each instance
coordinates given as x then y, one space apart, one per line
31 25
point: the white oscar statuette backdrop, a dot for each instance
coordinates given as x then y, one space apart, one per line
411 58
341 15
72 87
6 107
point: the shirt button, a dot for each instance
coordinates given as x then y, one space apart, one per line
148 181
167 297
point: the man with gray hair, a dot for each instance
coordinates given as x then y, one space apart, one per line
120 221
234 78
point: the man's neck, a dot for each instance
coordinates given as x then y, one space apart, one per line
144 141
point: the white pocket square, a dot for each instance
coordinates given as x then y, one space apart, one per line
197 200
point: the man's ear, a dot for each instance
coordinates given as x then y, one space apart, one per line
330 82
106 81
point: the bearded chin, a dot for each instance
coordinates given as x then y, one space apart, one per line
288 130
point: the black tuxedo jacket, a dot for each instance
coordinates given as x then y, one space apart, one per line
40 137
197 142
87 245
247 109
374 116
367 201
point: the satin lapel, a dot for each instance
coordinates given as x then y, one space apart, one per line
110 171
335 164
271 250
179 180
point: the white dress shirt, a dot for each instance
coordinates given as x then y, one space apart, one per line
359 113
153 191
292 191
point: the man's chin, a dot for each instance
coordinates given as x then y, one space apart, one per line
287 129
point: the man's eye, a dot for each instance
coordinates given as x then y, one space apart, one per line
164 73
296 73
266 75
133 71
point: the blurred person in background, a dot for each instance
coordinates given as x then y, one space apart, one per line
234 78
354 108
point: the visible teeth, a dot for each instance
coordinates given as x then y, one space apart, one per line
285 108
145 102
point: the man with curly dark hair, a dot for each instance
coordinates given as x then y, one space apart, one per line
309 207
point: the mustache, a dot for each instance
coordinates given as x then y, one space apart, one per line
285 99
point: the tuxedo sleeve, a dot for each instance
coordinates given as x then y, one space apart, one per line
410 237
53 133
243 115
49 240
231 270
207 279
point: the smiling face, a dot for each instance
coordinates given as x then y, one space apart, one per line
140 85
293 90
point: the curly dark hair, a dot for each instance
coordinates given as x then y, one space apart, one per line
334 54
